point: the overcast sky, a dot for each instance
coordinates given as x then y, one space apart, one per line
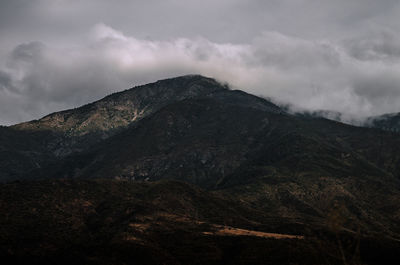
341 55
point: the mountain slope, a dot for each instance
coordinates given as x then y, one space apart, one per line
288 166
22 151
122 108
387 122
205 136
75 130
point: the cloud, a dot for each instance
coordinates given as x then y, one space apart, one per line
358 76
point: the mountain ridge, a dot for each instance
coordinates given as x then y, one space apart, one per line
202 147
223 141
75 130
130 104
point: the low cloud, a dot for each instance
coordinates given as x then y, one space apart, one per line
358 76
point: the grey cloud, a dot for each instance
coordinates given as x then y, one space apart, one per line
235 21
381 45
28 52
381 90
273 48
5 81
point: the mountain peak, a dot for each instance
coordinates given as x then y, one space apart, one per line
189 77
122 108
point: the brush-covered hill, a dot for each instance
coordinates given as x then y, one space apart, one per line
255 165
122 108
34 144
235 143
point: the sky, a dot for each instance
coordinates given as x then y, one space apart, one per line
341 55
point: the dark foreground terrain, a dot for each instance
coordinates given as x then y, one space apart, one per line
167 222
187 171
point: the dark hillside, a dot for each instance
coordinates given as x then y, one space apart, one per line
125 222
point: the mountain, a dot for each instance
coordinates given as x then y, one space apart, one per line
388 122
291 166
230 160
36 143
122 108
